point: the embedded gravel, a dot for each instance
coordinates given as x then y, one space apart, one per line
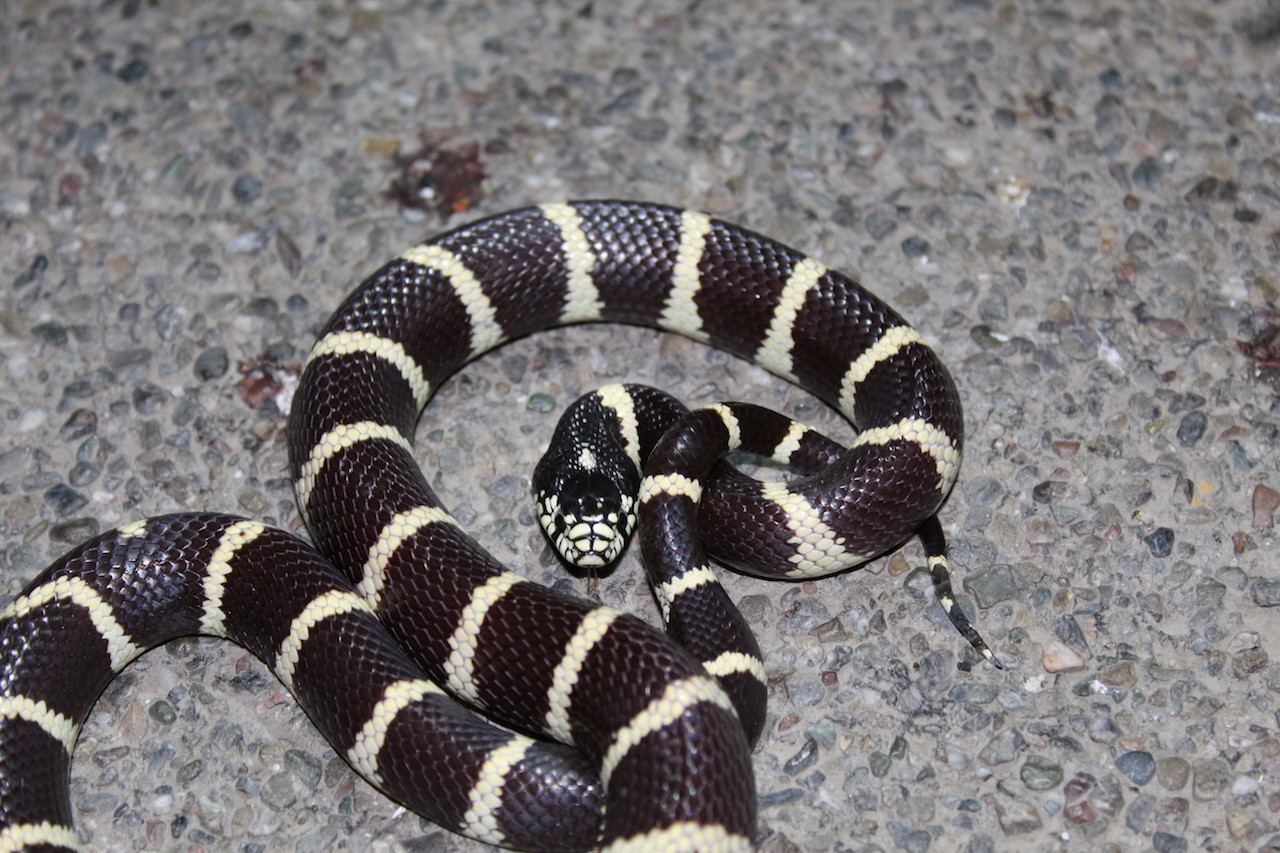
1077 203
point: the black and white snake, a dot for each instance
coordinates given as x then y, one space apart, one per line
657 754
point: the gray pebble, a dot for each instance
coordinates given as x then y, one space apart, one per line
1165 842
992 586
915 247
911 840
1147 172
937 671
1211 777
305 766
246 188
162 712
973 693
1191 428
51 332
1138 765
779 798
74 531
1003 748
1159 542
211 363
64 500
1017 817
542 403
803 759
1040 774
1265 592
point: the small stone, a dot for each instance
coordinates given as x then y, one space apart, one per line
1159 542
1079 812
1003 748
82 423
246 188
1265 501
805 758
1191 428
74 531
1248 661
1244 826
879 763
1080 784
1122 675
162 712
281 791
1040 774
992 586
974 694
211 364
1017 817
911 840
1265 592
1147 172
879 225
190 770
133 70
1138 765
305 766
915 247
51 332
1212 776
148 399
1165 842
63 499
1059 657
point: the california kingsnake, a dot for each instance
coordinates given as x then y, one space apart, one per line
671 756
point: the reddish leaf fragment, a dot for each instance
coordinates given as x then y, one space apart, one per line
448 181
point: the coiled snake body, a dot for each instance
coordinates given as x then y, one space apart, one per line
651 731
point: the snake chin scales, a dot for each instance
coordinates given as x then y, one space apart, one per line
396 613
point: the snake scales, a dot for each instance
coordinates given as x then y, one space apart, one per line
417 615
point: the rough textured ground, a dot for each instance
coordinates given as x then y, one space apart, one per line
1077 203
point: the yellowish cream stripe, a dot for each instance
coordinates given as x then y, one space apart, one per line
790 442
120 647
819 550
235 536
680 314
677 698
616 397
485 796
485 331
348 342
399 695
326 605
932 440
334 442
683 837
729 663
670 484
61 728
582 302
889 344
465 637
23 835
132 530
692 579
401 526
591 631
730 424
775 353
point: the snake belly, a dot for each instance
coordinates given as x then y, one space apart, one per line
663 742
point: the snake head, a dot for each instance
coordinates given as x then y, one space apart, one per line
585 516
